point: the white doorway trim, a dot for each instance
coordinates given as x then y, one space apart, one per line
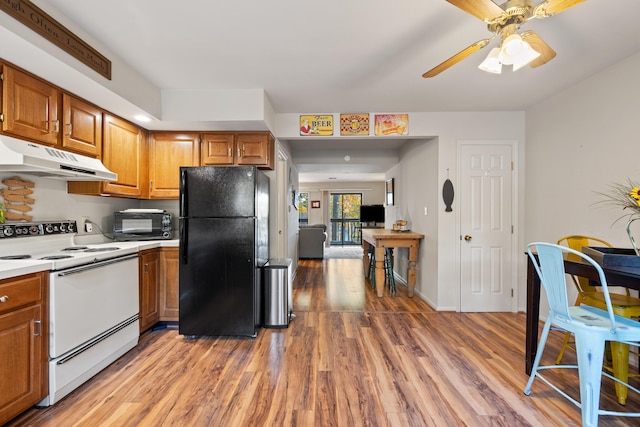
282 214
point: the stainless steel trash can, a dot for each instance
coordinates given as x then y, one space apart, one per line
276 295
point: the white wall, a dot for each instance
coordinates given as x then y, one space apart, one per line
415 181
578 142
419 173
53 203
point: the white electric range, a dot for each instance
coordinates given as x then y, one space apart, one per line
93 298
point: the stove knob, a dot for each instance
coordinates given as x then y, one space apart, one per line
70 228
62 228
33 229
8 231
49 228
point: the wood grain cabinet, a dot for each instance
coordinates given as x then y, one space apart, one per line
124 151
241 149
23 343
81 127
149 262
167 152
29 107
38 111
169 264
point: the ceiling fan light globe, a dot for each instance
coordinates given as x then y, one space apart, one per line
492 64
511 47
526 56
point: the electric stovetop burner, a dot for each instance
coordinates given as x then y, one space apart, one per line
111 248
52 257
74 248
10 257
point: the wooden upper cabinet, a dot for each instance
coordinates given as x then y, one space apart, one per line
81 127
242 148
167 152
124 152
255 149
218 149
29 107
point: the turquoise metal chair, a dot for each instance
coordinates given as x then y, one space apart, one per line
591 326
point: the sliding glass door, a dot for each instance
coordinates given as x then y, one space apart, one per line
344 213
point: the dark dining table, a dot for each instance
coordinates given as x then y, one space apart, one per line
619 276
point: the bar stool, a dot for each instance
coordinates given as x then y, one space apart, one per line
388 269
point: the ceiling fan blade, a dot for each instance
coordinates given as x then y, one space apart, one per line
553 7
486 10
456 58
539 45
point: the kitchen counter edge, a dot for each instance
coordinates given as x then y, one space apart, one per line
11 268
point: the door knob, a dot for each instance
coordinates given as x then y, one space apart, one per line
467 238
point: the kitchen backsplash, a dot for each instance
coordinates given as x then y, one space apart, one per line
52 202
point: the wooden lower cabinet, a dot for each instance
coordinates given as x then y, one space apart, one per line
149 283
23 343
169 298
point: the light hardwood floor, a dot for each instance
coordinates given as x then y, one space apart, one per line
349 358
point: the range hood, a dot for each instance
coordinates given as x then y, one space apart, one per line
35 159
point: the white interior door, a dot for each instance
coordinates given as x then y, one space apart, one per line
486 227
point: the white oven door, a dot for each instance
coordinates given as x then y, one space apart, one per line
86 301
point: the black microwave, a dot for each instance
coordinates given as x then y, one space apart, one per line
141 224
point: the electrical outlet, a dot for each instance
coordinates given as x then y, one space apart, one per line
87 225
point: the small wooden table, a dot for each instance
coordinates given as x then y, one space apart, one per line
381 238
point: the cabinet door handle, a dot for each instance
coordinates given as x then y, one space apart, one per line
238 151
39 324
56 126
4 298
70 125
229 152
146 268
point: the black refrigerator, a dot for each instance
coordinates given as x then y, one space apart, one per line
224 241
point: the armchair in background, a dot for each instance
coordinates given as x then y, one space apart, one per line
311 241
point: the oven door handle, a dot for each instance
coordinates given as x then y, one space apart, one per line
96 265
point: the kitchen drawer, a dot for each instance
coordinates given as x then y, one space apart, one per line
20 291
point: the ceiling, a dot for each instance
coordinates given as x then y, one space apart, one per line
347 56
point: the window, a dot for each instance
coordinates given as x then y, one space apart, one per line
303 208
344 212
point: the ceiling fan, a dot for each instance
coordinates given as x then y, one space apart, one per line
505 20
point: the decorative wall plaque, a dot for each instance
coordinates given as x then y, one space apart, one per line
354 124
36 19
316 125
392 124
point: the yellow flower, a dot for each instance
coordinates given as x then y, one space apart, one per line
623 195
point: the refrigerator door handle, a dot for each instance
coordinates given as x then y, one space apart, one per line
184 241
183 192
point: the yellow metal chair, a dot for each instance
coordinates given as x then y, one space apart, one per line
623 305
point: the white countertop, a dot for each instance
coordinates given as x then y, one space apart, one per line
14 268
18 268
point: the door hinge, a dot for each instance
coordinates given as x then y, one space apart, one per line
511 292
511 229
